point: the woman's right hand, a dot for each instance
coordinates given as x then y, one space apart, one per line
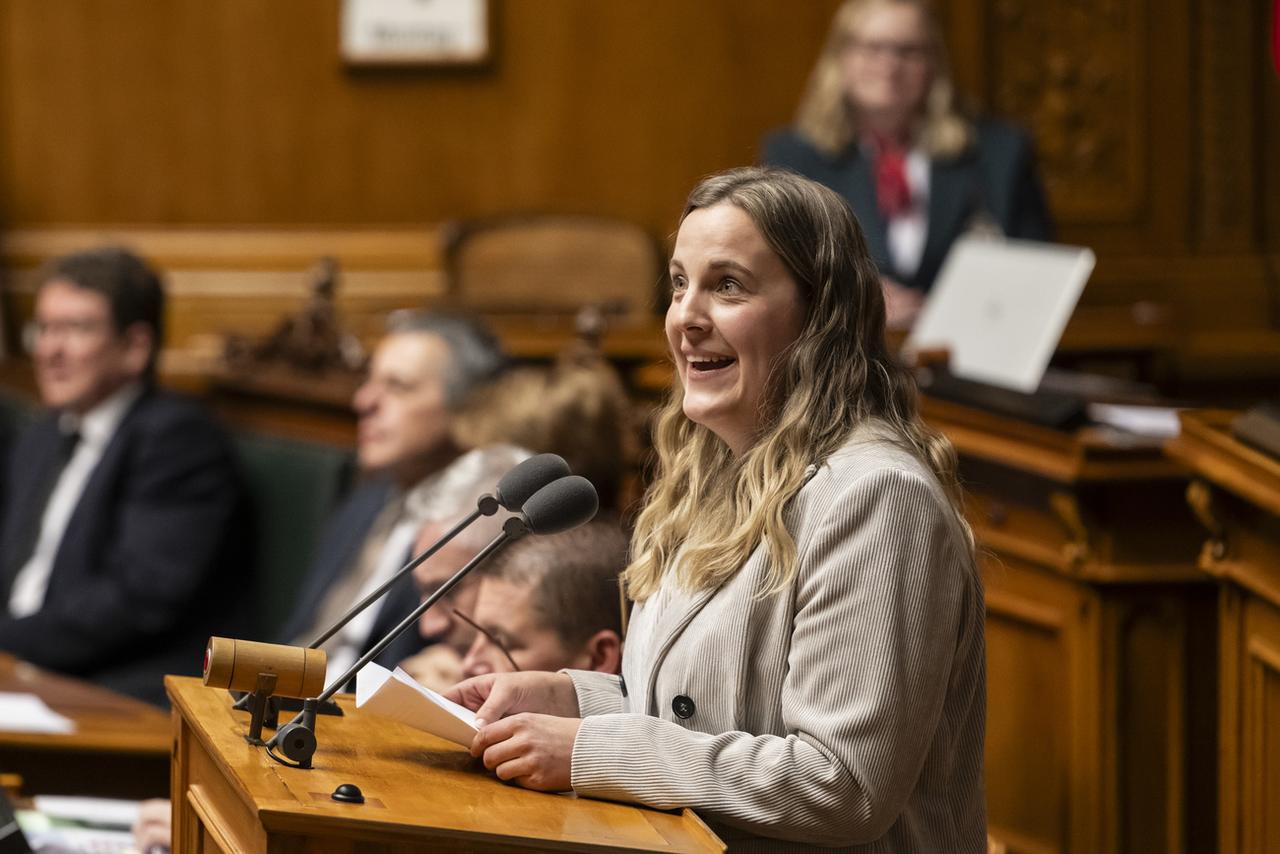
496 695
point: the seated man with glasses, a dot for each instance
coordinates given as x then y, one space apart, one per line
543 603
124 541
447 635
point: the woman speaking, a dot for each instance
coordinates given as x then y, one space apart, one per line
805 662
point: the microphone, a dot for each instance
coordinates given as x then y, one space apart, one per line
563 504
522 482
559 506
513 490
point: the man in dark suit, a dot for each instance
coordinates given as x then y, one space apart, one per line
124 544
416 473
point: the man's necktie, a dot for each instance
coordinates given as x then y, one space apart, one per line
28 535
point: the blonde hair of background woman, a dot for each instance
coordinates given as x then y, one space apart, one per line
715 509
830 122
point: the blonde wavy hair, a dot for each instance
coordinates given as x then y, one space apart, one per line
714 508
829 120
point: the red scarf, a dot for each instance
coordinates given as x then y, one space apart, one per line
893 193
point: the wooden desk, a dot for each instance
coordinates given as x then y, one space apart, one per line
1236 494
420 791
120 747
1099 636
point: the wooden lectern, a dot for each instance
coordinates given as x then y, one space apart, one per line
421 793
1236 496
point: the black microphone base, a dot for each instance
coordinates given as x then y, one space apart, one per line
298 743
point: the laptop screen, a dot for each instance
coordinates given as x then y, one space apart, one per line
999 307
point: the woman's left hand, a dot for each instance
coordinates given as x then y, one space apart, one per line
533 750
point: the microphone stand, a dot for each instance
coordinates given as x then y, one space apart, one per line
486 506
297 739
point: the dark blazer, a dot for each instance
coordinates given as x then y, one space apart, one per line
339 548
995 180
155 555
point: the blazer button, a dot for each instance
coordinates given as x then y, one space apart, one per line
683 706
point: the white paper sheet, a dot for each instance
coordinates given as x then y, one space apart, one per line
99 812
394 694
1160 422
45 834
28 713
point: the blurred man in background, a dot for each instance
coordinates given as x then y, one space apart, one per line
124 533
415 472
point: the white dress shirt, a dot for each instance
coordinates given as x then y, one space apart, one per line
96 429
907 233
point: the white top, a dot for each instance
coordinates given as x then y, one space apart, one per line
907 233
96 429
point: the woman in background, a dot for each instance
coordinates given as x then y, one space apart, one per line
879 124
805 662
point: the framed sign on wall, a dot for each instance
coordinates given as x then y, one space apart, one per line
415 32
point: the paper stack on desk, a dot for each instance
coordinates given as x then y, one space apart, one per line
28 713
394 694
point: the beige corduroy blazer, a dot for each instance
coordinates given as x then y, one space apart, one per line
846 711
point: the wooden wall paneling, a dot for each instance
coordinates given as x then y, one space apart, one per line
1109 687
1246 558
1230 731
1269 112
1260 724
1269 163
1074 71
1249 554
1166 715
966 25
1140 530
1225 211
1038 629
240 113
243 281
193 113
1236 497
1089 553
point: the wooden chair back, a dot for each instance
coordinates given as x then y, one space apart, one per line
552 264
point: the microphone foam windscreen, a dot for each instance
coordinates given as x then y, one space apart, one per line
524 480
561 505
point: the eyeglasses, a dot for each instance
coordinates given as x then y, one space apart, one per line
77 329
490 636
905 52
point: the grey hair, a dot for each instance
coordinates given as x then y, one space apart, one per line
453 494
475 356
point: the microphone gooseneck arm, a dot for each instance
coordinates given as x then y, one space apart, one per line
514 488
510 531
487 507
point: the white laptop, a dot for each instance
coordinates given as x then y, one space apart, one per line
999 307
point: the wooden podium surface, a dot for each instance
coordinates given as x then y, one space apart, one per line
421 792
1099 637
120 747
1236 495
